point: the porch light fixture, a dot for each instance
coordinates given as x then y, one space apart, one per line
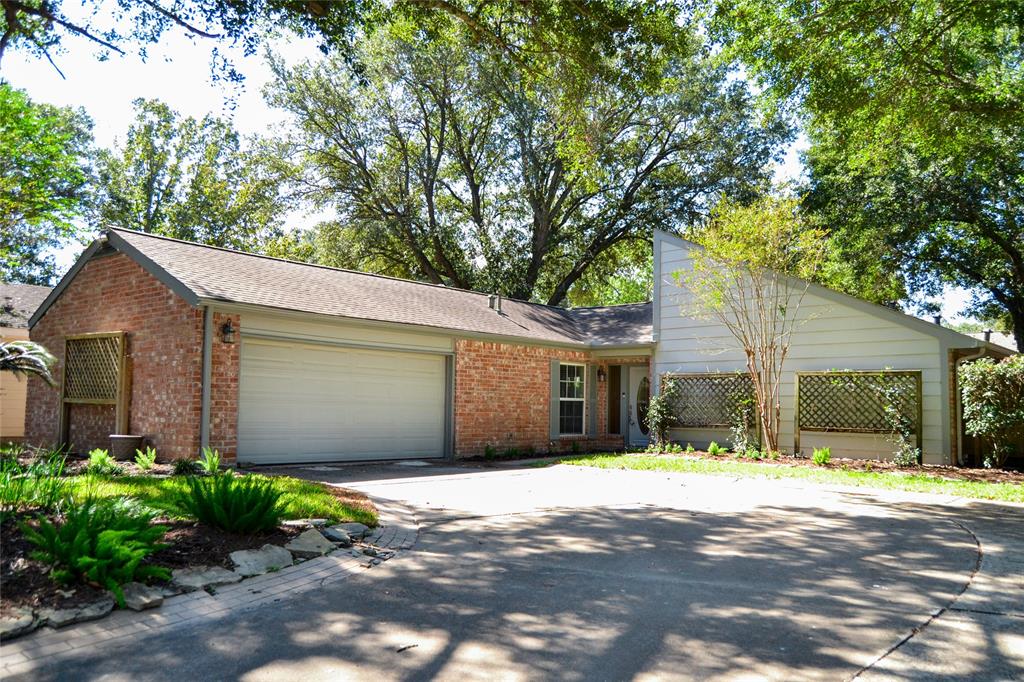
601 376
227 331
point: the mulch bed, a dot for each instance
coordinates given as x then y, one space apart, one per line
880 466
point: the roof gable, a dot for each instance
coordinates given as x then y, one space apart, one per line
204 274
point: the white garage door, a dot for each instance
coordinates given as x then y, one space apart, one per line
315 403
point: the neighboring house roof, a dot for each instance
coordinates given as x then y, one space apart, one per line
18 302
950 337
998 338
206 274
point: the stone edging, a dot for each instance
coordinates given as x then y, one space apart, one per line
398 530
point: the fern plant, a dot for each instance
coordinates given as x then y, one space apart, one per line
822 456
210 461
101 463
714 449
102 542
183 466
145 460
236 504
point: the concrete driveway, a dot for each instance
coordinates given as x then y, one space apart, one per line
585 574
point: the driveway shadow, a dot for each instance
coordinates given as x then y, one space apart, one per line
596 593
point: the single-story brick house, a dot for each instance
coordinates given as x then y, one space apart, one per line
272 361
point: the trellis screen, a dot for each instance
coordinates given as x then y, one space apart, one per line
709 400
95 372
92 369
858 402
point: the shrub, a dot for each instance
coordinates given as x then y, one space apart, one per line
575 447
99 541
661 411
183 466
39 485
101 463
210 461
822 456
773 455
754 453
145 460
236 504
714 449
906 455
689 447
993 399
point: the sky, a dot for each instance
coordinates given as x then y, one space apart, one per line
177 71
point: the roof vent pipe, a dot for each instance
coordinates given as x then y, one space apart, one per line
988 334
937 319
491 301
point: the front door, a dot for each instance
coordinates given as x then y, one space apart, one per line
639 395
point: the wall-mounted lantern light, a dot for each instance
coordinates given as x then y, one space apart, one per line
601 376
227 331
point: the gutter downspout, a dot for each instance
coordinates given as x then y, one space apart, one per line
204 408
960 403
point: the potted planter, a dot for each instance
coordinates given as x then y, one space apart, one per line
123 447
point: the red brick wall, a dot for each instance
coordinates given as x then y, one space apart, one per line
90 425
224 388
164 333
503 394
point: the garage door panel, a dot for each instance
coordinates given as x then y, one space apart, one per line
302 402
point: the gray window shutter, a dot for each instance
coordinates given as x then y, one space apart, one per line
553 425
591 400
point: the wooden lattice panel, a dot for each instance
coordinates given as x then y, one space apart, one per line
709 400
92 368
857 401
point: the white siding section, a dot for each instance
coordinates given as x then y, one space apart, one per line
831 335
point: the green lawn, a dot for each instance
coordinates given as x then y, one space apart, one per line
304 499
1005 492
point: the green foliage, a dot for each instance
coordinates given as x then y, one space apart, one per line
575 447
190 179
450 165
822 456
101 542
993 401
210 460
145 460
743 418
27 358
38 485
714 449
241 505
660 411
915 113
42 183
102 464
690 448
184 466
490 452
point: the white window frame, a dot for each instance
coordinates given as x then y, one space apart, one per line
583 399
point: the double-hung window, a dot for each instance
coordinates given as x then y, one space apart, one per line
571 392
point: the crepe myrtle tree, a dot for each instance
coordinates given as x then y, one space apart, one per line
751 276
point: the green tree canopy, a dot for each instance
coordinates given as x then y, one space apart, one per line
44 167
914 110
448 164
189 179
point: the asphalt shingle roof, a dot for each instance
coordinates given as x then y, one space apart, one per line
238 277
18 302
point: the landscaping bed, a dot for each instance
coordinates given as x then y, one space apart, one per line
137 534
989 484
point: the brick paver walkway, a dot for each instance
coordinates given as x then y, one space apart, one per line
398 531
